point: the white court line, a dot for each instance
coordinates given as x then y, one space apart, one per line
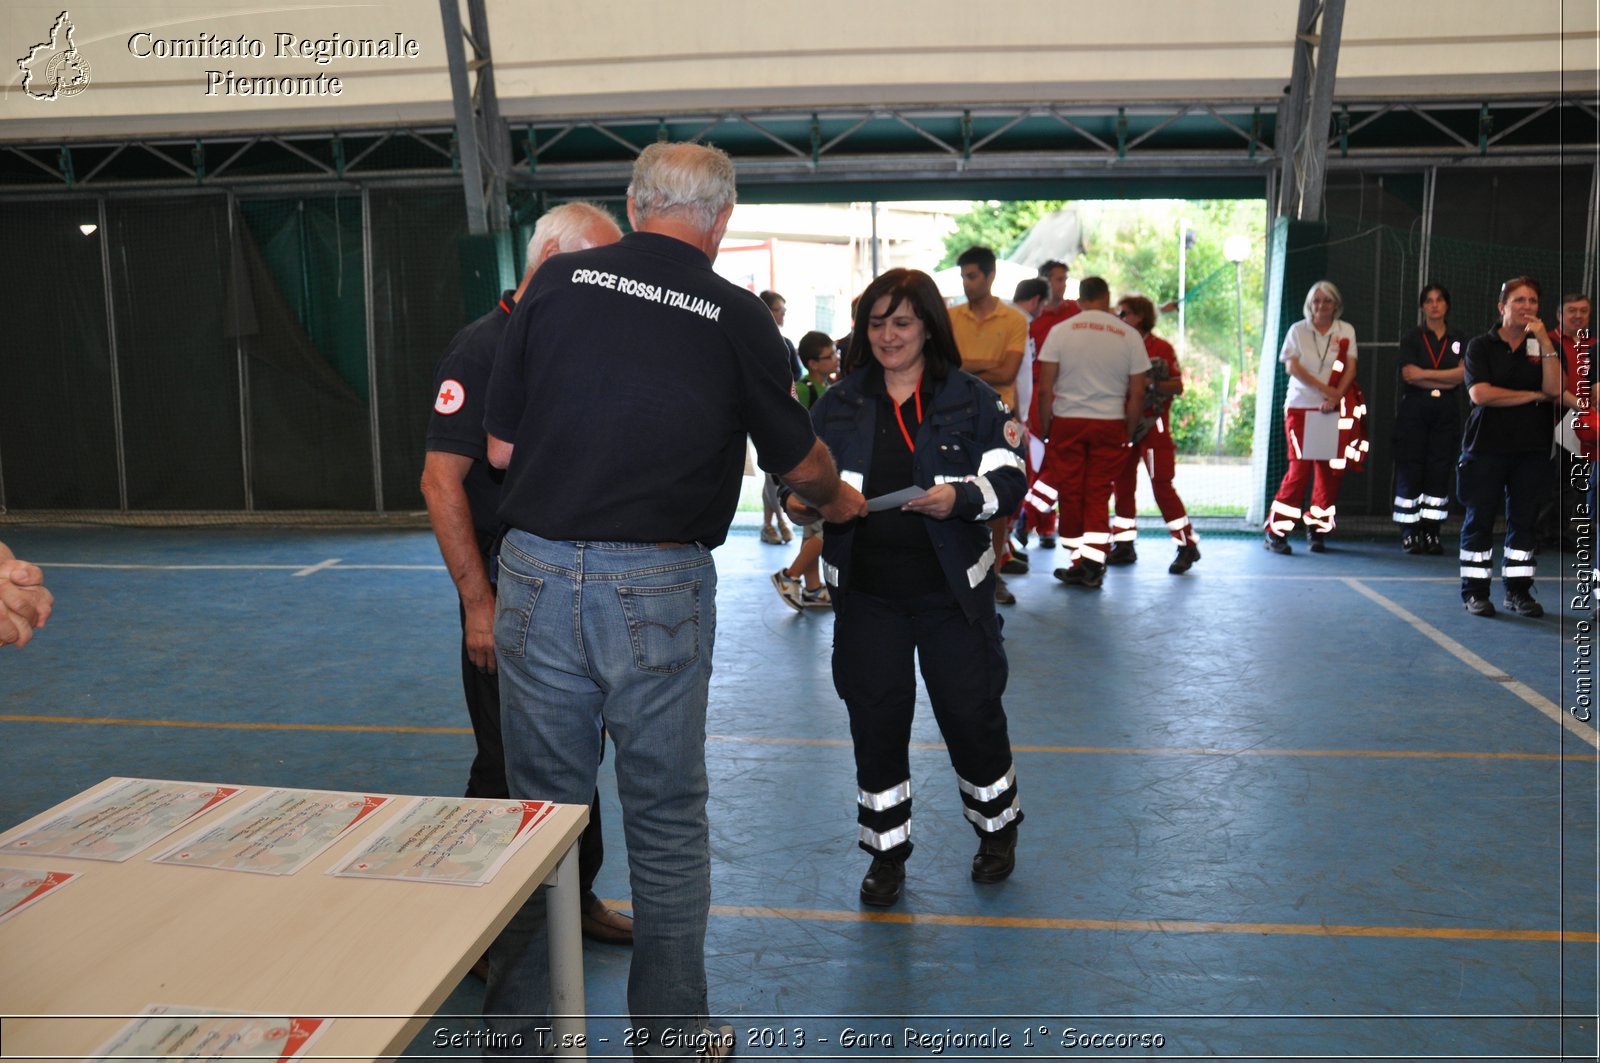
318 567
1479 665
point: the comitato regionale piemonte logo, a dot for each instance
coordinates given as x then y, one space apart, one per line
55 68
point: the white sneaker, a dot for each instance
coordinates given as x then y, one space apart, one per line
788 589
817 599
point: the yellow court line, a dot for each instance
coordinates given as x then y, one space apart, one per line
1455 649
224 725
1187 751
839 743
1156 926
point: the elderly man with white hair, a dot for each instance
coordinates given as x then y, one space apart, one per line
624 387
463 494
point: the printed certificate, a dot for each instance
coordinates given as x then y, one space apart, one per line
460 840
169 1032
119 822
21 887
276 834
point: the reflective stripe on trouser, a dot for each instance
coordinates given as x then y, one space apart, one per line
1427 442
1487 484
1081 460
1323 477
992 807
1156 453
1124 529
1407 510
878 645
1094 548
1038 515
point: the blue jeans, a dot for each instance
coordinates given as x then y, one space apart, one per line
617 635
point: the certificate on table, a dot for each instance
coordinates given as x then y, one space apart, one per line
458 840
276 834
170 1032
121 821
21 887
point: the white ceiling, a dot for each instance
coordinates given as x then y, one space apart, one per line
576 58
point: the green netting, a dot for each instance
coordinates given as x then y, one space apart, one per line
1487 226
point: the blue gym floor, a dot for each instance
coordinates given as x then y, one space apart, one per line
1281 807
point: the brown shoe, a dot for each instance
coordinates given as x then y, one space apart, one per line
602 924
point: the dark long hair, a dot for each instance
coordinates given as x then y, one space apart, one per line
917 290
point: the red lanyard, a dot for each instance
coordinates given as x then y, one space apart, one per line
1435 358
911 446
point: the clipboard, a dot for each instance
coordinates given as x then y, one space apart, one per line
1320 440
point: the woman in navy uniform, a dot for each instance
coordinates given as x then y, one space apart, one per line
1513 374
1427 430
915 581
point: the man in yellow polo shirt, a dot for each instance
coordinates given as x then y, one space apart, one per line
992 338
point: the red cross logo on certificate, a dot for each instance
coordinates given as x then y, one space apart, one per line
451 396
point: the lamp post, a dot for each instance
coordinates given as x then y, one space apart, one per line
1235 249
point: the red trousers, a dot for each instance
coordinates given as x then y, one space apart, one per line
1039 509
1081 460
1321 475
1158 456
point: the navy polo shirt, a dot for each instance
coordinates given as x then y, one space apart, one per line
456 425
627 379
1524 429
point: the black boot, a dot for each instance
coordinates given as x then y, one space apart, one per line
885 878
997 855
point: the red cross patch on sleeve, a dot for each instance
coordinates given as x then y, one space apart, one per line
1013 433
451 396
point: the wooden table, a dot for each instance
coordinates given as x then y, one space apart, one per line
378 957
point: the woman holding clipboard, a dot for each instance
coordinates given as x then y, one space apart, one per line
1321 419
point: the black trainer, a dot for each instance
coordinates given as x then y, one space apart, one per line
1188 554
1523 604
883 882
1431 543
1086 574
1478 605
997 855
1278 544
1411 542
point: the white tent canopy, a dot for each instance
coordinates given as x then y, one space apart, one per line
161 66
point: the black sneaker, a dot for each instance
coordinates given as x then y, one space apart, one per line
1188 554
883 882
1319 542
1015 565
1411 542
1085 574
1122 554
1278 544
1523 604
1431 544
1478 605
